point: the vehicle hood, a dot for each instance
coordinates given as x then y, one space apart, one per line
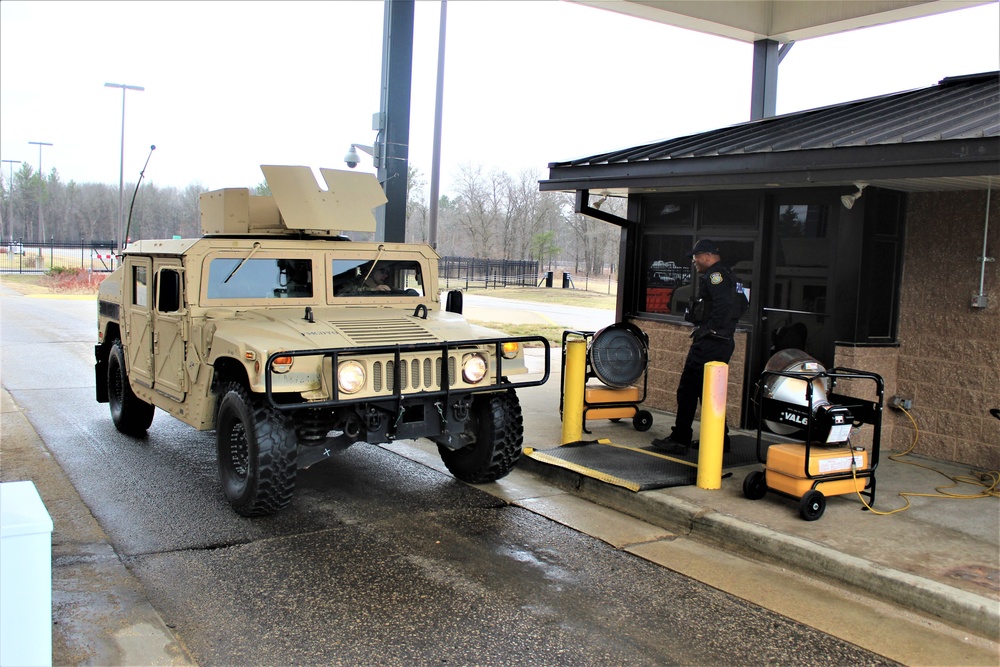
290 329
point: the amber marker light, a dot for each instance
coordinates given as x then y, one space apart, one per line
282 364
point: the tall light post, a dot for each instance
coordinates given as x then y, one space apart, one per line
10 197
432 227
41 175
121 167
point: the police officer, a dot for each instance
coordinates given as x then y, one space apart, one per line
712 313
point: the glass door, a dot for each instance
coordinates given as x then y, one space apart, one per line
798 299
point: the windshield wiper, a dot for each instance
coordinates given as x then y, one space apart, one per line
256 247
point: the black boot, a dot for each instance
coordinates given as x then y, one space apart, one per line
672 445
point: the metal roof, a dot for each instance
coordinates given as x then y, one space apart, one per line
942 137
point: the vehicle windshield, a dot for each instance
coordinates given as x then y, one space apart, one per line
358 277
260 278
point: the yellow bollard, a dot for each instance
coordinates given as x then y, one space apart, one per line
574 380
713 425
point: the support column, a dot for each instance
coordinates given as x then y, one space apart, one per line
392 144
764 90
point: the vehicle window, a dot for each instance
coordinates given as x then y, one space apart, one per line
259 278
169 298
140 287
371 279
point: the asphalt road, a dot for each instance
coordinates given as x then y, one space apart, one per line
379 561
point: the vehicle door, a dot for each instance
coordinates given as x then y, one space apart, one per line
138 334
170 331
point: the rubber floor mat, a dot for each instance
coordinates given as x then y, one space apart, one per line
639 469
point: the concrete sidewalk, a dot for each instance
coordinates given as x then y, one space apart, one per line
100 612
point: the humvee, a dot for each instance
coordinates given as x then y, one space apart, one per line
272 330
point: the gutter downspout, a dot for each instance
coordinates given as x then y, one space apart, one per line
980 300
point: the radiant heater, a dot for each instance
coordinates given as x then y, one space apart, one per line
797 399
618 357
797 386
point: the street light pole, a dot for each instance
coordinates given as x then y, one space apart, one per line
432 227
41 175
10 197
121 166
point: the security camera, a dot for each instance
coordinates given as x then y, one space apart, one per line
352 158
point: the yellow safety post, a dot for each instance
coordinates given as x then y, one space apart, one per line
574 380
713 425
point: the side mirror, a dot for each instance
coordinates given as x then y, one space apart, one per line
453 302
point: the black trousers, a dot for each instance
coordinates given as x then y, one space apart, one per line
693 377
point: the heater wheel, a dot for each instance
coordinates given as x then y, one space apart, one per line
755 485
812 505
643 420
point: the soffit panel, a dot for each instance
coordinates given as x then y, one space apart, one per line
780 20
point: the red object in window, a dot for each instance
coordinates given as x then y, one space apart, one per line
658 299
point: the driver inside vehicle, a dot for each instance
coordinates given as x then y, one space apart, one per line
378 280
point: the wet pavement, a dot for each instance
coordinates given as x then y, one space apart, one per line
940 558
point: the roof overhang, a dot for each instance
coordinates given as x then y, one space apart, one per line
779 20
965 164
943 137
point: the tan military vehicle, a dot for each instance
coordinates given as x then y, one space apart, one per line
293 342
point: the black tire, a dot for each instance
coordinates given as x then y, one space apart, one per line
755 485
812 505
257 450
495 421
642 421
131 415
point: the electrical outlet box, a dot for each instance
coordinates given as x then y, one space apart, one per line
979 300
900 402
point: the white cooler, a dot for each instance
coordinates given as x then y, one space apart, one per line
25 577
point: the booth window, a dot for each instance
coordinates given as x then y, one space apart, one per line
667 281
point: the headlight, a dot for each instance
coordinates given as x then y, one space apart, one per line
474 368
350 377
282 364
510 350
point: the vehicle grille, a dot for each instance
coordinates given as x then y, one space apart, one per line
414 374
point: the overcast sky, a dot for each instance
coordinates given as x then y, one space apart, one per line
232 85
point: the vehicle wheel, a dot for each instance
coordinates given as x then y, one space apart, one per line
755 485
496 423
642 421
812 505
257 451
131 415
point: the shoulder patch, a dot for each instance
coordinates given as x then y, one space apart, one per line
715 278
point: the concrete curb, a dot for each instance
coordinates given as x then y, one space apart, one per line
972 612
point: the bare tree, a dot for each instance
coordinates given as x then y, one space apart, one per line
477 208
417 223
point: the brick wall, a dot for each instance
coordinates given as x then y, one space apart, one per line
668 347
949 353
884 362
